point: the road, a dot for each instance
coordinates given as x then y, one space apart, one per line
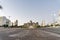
54 30
28 34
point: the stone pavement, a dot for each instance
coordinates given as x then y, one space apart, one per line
38 35
27 34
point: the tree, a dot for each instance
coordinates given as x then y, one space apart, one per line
0 7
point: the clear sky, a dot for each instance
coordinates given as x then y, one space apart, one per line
35 10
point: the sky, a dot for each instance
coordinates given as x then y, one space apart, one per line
26 10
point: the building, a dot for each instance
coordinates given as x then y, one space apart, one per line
15 23
57 22
31 24
4 21
43 23
58 19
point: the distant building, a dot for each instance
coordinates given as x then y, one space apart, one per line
4 20
31 24
16 23
58 20
43 23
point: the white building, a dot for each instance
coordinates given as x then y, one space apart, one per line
4 20
58 19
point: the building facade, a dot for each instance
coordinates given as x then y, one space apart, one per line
31 24
4 21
